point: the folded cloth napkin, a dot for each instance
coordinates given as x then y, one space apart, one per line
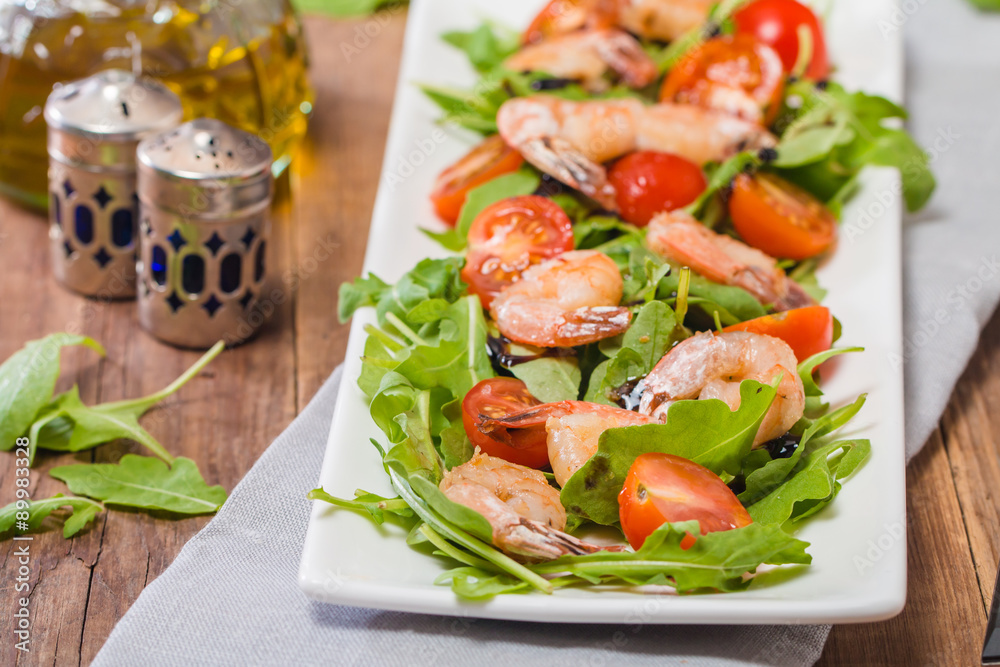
231 596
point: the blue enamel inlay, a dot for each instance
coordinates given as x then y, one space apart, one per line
84 224
193 274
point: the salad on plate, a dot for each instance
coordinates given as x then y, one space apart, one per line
612 380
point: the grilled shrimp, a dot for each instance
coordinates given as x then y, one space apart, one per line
585 57
524 511
662 19
565 301
572 429
683 241
713 365
655 19
568 140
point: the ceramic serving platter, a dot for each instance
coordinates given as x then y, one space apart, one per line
858 542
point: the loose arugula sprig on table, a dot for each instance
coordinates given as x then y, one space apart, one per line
63 423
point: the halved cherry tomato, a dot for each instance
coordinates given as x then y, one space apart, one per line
780 218
734 73
648 182
499 397
489 159
661 488
807 330
776 22
509 236
561 16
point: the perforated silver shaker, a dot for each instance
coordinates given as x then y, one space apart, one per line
205 192
94 126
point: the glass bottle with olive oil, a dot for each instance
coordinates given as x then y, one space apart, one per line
241 61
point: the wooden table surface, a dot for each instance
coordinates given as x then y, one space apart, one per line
226 417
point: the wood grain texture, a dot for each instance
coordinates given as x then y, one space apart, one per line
226 417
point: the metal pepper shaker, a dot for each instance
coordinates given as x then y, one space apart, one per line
94 125
205 192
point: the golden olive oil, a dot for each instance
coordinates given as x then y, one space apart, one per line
241 62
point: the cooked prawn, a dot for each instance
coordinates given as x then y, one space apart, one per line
524 511
565 301
683 241
586 56
572 429
713 365
655 19
568 140
662 19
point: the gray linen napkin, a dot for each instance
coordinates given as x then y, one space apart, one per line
231 595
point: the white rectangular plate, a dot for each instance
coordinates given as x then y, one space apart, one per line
858 543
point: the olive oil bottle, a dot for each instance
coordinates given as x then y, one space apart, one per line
241 61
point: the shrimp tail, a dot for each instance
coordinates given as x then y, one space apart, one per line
535 540
584 325
623 54
796 297
565 163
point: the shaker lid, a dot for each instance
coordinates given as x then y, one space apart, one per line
114 105
206 148
205 168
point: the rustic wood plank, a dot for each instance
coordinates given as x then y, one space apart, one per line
972 438
337 177
943 620
31 305
223 419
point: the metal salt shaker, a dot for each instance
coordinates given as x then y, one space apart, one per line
205 192
94 125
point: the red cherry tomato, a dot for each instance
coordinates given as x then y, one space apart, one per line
661 488
647 182
780 218
807 331
776 22
509 236
734 73
499 397
483 163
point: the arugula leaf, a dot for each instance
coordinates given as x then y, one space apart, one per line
146 482
82 512
27 380
430 279
813 483
652 333
550 379
473 583
95 425
345 8
374 505
460 359
597 232
706 432
830 135
716 561
707 295
766 475
806 367
719 178
486 46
